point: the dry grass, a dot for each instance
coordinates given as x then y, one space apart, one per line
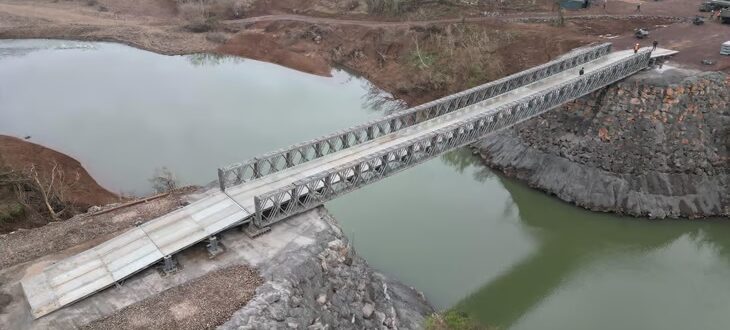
457 56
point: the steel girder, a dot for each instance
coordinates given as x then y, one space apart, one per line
303 152
319 188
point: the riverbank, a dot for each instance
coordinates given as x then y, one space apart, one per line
654 145
303 274
21 163
435 52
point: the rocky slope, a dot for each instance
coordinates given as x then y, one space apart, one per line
653 145
326 285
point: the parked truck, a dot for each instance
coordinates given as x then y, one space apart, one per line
713 5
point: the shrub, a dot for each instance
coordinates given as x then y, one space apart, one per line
217 37
163 180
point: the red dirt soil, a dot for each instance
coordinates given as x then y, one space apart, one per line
19 155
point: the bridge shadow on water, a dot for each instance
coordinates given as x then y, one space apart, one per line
567 240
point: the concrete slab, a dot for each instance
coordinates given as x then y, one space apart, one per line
81 275
294 234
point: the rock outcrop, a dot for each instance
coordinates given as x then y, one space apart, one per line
326 285
655 145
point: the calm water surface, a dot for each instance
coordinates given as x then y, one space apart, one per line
468 239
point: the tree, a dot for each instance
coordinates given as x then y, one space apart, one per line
163 180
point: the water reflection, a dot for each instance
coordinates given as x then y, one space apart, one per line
462 159
212 59
569 240
19 48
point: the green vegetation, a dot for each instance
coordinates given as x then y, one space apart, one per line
453 320
11 212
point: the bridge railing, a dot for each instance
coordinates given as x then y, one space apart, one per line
319 188
303 152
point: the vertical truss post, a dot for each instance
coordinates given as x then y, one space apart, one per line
214 247
221 180
169 265
318 150
289 159
255 166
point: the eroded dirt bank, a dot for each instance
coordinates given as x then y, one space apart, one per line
655 144
21 200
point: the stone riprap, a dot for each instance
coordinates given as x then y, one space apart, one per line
655 144
326 285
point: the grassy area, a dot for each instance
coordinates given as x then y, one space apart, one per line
453 320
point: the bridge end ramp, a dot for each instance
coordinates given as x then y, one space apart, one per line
79 276
86 273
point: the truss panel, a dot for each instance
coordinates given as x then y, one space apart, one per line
300 153
319 188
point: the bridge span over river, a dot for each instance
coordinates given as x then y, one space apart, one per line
272 187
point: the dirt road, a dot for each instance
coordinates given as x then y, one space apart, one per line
510 17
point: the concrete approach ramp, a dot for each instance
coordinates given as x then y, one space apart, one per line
81 275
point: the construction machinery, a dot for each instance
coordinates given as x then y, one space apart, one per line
725 15
698 20
713 5
641 33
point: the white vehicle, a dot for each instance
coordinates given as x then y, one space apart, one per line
725 49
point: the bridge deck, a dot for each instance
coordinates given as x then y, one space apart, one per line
662 52
76 277
244 194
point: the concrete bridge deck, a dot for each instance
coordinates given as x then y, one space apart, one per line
76 277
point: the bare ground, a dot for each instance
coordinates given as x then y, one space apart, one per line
24 245
184 307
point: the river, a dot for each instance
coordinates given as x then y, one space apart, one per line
468 238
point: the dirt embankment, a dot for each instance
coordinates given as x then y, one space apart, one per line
21 197
19 154
656 145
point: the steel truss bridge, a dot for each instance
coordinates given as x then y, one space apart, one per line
272 187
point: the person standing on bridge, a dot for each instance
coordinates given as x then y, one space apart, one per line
636 48
653 45
581 72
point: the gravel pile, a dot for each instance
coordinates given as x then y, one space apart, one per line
203 303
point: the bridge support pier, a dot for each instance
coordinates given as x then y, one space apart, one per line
253 231
169 265
214 247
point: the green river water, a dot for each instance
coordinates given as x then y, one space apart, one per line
468 238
